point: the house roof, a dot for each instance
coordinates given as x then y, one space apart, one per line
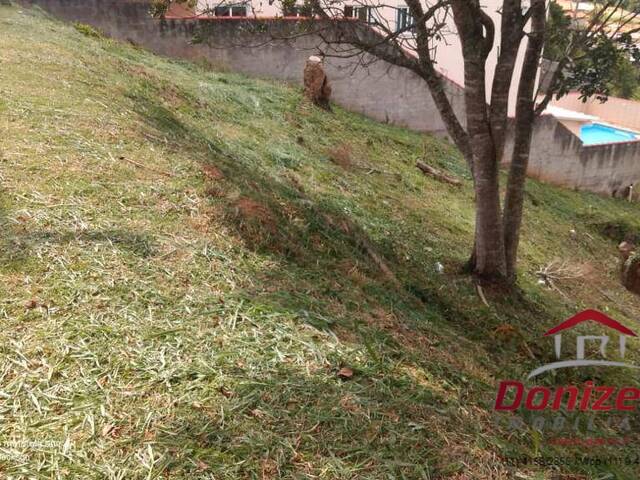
618 20
594 315
564 114
178 10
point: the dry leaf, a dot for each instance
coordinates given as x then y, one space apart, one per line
212 172
225 392
110 430
345 373
257 413
31 304
107 429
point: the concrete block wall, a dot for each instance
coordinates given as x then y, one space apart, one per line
558 157
380 91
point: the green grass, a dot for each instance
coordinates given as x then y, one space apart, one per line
183 274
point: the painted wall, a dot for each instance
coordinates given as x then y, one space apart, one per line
625 113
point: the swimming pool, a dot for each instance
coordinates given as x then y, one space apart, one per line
596 133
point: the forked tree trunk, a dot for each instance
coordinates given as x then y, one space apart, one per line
495 249
482 139
477 41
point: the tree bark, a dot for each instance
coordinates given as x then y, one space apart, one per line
511 36
489 261
449 118
525 116
489 253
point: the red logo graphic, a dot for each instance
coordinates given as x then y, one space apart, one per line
589 396
594 315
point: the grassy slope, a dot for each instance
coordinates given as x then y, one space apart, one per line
186 319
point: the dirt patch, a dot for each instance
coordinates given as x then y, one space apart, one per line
211 172
269 469
257 213
138 71
215 191
341 155
251 209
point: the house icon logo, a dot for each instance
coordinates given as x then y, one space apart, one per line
617 360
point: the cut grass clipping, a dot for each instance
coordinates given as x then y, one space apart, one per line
188 288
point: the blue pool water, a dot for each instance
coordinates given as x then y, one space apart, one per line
596 133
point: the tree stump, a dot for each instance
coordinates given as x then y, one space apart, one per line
316 84
630 274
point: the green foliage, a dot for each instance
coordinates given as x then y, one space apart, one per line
288 7
158 8
631 5
293 7
592 70
558 33
602 68
88 30
625 81
308 8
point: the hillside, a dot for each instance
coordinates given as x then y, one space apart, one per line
188 278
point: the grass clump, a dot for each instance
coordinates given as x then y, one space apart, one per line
88 30
185 272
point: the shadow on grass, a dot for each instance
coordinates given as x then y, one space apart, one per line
382 421
18 243
315 240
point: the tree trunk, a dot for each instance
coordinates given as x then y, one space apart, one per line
437 85
449 118
477 41
489 249
510 40
525 116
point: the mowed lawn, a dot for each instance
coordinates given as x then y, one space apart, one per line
204 277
